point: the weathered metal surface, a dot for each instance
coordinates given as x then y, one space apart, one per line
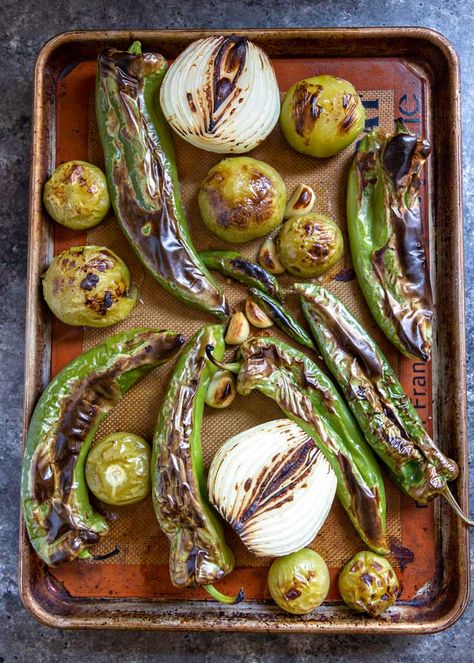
443 602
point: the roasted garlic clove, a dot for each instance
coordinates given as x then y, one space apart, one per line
268 257
238 330
256 316
301 202
221 391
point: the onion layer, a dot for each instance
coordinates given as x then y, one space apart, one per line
221 94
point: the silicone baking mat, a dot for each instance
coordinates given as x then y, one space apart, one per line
389 89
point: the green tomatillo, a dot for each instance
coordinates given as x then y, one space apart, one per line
76 195
309 245
90 286
241 199
118 469
321 115
368 583
299 582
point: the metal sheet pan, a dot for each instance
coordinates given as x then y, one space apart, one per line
435 606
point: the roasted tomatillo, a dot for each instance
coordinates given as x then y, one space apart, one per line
241 199
309 245
118 469
76 195
299 582
321 115
369 584
90 286
60 521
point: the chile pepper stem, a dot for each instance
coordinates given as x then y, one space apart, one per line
400 126
233 367
223 598
135 48
449 497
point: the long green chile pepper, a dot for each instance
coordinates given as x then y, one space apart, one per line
199 554
233 264
308 397
385 414
59 518
386 237
281 317
142 177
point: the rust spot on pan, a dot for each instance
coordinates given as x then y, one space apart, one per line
403 555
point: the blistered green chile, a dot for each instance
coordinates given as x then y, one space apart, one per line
241 199
90 286
299 582
76 195
118 469
59 518
368 583
321 115
309 245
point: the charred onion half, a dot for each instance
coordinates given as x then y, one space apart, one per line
221 94
273 485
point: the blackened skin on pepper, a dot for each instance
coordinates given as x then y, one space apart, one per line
60 521
384 412
234 265
199 554
142 177
386 236
281 317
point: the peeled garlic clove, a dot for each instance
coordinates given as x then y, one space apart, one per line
301 202
256 316
238 330
268 257
221 390
274 486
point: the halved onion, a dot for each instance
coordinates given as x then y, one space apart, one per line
273 485
221 94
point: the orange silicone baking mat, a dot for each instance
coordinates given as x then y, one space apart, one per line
389 89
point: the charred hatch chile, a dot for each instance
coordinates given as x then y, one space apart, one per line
142 177
386 237
384 412
60 521
308 397
281 317
199 554
234 265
